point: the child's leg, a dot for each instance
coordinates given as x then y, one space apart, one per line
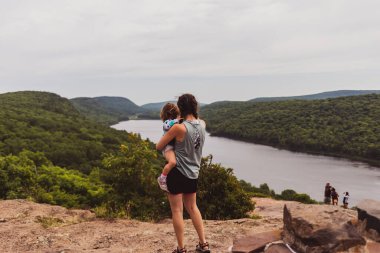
170 158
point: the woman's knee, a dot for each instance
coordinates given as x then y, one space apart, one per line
177 210
191 208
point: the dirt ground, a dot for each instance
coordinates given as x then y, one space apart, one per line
30 227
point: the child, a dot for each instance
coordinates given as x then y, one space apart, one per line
334 196
169 115
345 199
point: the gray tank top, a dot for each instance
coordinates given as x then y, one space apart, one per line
189 151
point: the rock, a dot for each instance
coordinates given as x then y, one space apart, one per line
373 247
2 220
278 248
369 215
319 229
255 242
103 242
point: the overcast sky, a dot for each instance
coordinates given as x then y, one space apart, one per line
155 50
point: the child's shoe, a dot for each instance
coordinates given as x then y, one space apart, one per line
162 183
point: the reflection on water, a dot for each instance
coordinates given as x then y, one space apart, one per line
281 169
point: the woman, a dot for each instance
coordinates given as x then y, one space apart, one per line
182 180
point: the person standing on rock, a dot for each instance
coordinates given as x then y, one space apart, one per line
345 199
327 199
334 196
182 180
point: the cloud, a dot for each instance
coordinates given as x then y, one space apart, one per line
87 40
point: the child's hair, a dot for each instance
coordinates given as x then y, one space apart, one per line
169 111
187 105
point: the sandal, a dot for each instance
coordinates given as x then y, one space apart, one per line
203 247
177 250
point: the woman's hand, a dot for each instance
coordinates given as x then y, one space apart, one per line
170 135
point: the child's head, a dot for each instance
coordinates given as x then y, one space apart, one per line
169 111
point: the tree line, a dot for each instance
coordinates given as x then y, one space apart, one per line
51 153
345 127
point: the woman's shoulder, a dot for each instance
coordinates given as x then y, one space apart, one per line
203 123
179 127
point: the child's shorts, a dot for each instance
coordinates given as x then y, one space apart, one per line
167 148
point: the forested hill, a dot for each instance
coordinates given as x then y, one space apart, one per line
107 110
46 122
50 153
323 95
156 107
346 127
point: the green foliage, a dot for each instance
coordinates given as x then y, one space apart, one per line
48 222
262 191
107 110
132 172
50 153
323 95
265 192
346 127
45 122
294 196
31 175
220 194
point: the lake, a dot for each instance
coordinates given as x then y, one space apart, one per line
280 169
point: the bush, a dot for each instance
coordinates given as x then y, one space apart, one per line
132 172
294 196
220 195
265 192
30 175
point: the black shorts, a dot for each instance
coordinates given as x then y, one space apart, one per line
178 183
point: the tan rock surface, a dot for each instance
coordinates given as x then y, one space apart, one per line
30 227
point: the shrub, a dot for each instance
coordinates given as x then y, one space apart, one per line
220 195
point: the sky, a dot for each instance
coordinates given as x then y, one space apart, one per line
155 50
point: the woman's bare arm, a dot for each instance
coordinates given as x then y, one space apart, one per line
170 135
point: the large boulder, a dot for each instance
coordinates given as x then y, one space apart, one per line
255 243
373 247
278 248
369 216
320 228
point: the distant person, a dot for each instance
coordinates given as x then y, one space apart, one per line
182 180
327 199
346 195
334 196
169 115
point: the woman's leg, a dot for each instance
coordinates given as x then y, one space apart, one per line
176 205
190 203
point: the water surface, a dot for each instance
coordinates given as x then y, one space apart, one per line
281 169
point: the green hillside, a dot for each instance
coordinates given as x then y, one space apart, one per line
46 122
156 107
51 153
107 110
346 127
323 95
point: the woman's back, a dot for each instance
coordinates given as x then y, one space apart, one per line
189 150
